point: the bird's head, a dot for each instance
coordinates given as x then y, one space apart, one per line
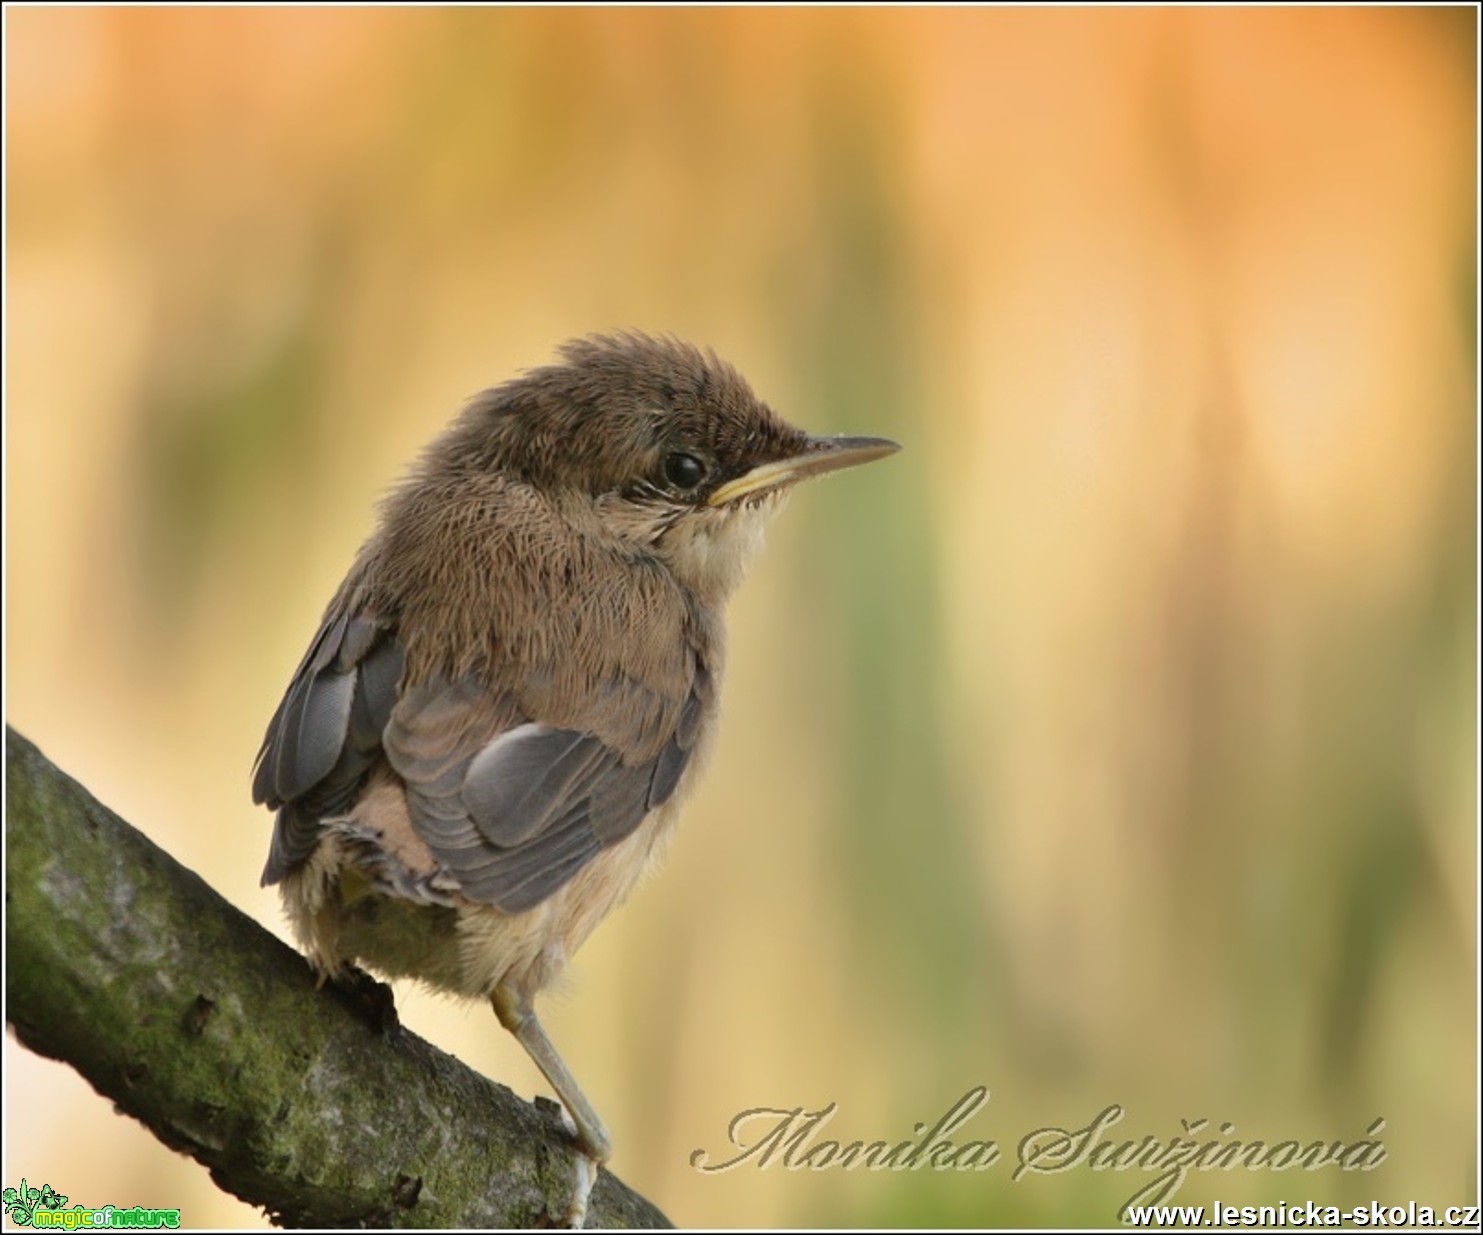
658 444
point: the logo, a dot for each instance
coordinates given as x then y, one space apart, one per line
22 1203
44 1209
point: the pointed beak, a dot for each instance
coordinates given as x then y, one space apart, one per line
822 454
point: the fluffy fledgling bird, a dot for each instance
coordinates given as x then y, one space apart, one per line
490 735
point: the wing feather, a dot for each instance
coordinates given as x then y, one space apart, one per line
326 734
513 809
510 808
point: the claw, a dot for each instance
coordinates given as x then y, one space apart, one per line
585 1176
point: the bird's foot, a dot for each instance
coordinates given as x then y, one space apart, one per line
371 1001
586 1163
584 1177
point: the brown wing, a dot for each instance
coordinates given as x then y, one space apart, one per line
511 808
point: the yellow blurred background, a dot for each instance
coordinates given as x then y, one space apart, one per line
1114 743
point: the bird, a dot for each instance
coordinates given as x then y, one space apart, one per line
488 741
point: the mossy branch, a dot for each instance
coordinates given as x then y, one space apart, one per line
313 1104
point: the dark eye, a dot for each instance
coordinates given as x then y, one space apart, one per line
684 471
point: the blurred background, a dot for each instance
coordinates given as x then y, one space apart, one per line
1114 743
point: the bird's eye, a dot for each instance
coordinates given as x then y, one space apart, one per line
684 471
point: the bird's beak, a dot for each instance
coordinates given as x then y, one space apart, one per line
822 454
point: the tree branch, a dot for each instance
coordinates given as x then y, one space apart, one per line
315 1105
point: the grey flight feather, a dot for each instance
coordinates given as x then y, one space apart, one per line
516 786
510 808
326 734
514 809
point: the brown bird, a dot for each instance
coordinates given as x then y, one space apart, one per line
490 735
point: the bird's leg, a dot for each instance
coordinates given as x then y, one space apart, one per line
518 1016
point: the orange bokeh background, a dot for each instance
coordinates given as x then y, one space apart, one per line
1116 742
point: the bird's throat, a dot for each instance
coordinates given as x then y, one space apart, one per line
709 551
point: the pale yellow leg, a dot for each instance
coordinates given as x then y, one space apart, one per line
518 1016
